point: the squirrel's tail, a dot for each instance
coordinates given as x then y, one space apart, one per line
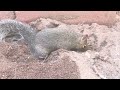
25 30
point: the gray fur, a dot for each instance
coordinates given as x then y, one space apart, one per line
41 44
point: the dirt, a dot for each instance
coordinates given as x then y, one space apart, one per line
102 61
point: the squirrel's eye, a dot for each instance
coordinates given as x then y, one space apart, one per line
84 46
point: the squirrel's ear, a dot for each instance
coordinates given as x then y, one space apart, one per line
84 41
84 38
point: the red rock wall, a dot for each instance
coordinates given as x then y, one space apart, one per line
70 17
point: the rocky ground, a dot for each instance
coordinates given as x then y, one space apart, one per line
101 62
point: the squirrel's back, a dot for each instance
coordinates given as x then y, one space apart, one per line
58 38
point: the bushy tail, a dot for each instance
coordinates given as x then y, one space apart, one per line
25 30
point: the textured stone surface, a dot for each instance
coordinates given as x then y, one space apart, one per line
70 17
7 15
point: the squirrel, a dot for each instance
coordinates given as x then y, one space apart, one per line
42 43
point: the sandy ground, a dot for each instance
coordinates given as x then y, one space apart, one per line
100 62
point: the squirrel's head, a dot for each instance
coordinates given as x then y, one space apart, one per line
83 43
88 42
92 42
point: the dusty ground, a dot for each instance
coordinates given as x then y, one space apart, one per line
101 62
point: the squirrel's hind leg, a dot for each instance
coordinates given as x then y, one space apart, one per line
40 52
